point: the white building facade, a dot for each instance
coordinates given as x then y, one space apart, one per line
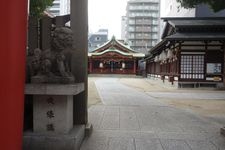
142 29
173 9
60 7
123 27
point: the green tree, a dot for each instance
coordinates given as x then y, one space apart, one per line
37 7
215 5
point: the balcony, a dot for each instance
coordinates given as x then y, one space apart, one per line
144 22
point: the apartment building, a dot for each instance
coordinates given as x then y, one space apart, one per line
60 7
123 27
97 39
142 24
172 9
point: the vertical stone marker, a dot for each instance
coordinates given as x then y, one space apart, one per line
53 114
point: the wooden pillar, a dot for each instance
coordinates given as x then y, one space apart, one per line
179 61
205 58
13 14
79 26
224 63
154 72
135 67
90 65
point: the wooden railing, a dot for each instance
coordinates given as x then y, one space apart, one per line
112 71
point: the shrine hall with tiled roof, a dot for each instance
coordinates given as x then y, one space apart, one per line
114 57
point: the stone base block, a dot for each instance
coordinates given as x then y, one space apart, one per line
88 130
53 79
71 141
222 131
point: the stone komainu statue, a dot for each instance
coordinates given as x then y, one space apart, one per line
54 65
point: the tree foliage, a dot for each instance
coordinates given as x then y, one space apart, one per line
37 7
215 5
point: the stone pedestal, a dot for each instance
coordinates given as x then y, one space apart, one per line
53 117
222 131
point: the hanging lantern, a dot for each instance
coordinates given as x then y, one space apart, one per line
163 56
170 54
156 59
100 65
123 65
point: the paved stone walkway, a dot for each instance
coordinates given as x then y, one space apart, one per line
192 95
132 120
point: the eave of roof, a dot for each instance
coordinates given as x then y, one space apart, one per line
192 18
196 36
118 42
189 36
116 51
158 46
125 46
196 22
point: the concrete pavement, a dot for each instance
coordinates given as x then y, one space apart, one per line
129 119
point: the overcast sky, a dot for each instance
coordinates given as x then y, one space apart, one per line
107 14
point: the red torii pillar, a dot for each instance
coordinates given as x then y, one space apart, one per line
13 14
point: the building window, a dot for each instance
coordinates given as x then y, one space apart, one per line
97 38
192 67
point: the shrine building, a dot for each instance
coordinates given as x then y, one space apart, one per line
114 57
191 53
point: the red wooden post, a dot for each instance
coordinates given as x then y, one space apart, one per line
90 66
135 67
12 63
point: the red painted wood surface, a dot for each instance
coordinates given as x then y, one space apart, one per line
13 14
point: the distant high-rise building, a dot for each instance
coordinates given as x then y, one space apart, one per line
60 7
173 9
97 39
142 24
123 27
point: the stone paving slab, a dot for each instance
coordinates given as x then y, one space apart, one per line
95 118
169 144
95 143
148 144
128 120
201 145
218 141
121 144
184 136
